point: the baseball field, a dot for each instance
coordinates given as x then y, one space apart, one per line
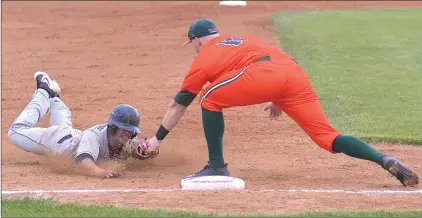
364 59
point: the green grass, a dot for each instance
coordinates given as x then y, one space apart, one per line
366 66
28 207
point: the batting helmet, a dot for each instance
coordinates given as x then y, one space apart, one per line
125 117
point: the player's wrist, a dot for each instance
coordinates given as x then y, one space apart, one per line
161 133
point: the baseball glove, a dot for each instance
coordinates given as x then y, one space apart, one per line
138 149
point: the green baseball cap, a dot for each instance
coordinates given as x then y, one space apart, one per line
200 28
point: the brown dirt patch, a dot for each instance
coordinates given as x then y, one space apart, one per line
106 53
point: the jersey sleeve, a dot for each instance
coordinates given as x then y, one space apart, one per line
89 144
196 78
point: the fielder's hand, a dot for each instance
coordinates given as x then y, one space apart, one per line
154 143
274 110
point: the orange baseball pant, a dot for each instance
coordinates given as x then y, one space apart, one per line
286 85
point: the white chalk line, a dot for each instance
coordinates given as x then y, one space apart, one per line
345 191
84 191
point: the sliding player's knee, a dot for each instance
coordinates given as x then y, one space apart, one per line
16 131
13 133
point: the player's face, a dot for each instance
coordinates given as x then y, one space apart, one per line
121 138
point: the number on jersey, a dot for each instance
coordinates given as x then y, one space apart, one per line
233 41
100 127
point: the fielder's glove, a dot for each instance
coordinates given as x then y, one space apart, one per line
139 149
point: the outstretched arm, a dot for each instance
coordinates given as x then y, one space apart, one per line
191 86
88 152
175 112
89 167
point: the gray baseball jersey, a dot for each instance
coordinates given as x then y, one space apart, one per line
60 138
94 142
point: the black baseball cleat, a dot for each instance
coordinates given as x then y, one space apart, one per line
49 85
210 170
403 173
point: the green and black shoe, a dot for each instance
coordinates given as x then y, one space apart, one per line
403 173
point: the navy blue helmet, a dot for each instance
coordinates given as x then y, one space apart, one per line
125 117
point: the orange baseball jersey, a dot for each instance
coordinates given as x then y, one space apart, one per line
224 54
280 81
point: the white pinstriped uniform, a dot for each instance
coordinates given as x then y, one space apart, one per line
60 139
